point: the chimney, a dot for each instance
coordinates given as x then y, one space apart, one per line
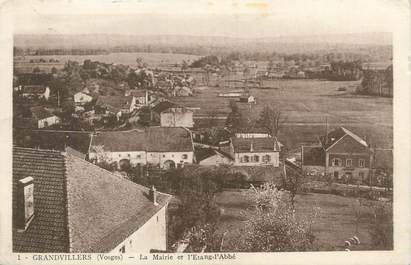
153 195
251 147
25 203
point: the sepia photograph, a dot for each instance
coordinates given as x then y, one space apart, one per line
201 127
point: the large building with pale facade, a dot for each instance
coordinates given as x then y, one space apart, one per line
163 147
64 204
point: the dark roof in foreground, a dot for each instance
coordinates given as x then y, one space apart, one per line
339 133
313 156
244 145
40 113
59 140
34 89
79 207
115 103
163 105
153 139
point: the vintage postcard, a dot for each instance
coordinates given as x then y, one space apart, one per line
212 132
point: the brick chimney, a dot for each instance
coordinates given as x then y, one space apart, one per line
153 195
25 203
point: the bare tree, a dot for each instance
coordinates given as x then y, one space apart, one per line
271 119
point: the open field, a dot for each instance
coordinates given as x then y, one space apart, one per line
306 104
335 221
152 59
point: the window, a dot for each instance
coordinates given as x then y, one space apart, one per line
246 159
256 158
119 155
336 162
128 155
361 163
157 218
266 158
348 162
164 155
185 156
138 156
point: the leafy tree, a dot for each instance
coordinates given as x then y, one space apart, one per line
292 181
271 119
235 118
145 116
36 70
382 228
206 60
273 226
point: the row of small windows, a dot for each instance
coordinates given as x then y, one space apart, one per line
184 156
337 162
255 158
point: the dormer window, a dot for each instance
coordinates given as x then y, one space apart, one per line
25 203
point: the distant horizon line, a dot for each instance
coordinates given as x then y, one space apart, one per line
206 36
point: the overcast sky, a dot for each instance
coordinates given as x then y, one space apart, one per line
242 18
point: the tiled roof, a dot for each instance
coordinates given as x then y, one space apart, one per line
313 156
104 209
137 92
244 145
40 113
48 232
252 130
339 133
153 139
204 153
59 140
176 110
163 105
79 207
74 152
34 89
115 103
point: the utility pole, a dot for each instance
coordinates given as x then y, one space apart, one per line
58 98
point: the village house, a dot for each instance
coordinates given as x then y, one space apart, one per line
255 151
247 99
80 99
163 147
35 91
341 154
142 97
64 204
117 105
158 107
176 117
212 157
253 132
44 118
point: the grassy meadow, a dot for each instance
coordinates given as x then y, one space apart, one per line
337 218
306 104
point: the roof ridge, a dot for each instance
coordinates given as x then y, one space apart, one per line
37 149
355 136
104 170
67 204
